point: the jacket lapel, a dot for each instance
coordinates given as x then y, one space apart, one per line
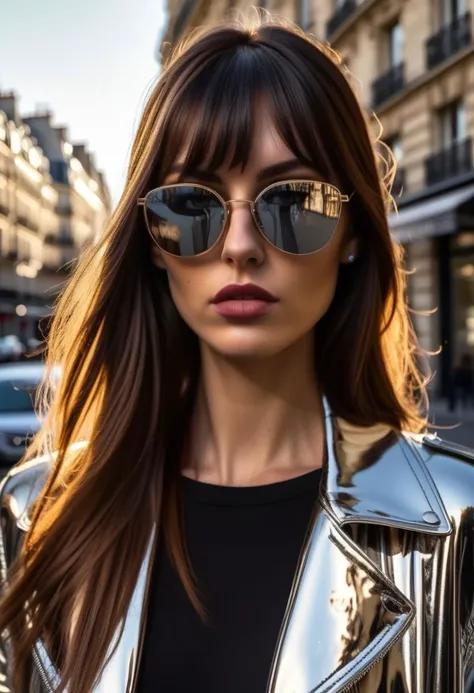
120 674
375 476
344 613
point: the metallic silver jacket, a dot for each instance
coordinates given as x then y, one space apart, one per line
383 598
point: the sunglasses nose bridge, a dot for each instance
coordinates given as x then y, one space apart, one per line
228 209
249 202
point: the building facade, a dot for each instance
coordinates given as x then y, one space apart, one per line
414 60
53 202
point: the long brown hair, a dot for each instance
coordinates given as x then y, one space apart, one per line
130 365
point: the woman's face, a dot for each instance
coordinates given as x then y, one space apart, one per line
303 286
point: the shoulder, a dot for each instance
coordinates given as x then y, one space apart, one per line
451 467
18 492
22 486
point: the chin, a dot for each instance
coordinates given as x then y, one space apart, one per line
247 343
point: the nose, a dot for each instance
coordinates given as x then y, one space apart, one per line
243 243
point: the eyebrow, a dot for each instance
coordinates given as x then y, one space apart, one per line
282 167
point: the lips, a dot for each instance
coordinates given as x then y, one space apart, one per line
243 302
243 292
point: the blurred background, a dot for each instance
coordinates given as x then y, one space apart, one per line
73 81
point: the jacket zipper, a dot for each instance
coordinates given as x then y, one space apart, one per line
42 671
355 679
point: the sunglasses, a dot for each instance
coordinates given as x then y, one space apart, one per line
298 217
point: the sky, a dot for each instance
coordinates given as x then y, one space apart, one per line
90 62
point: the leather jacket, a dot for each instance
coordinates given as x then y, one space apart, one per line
383 598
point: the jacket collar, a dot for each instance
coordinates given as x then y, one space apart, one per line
376 476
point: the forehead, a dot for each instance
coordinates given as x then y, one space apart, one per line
266 147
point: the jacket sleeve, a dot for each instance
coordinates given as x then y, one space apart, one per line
452 468
5 685
18 491
5 682
466 580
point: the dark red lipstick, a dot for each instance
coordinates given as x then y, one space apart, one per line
243 301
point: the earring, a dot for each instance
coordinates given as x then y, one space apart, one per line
351 258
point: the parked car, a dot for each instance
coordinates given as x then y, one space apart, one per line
11 348
18 419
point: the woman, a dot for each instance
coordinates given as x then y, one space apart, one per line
249 512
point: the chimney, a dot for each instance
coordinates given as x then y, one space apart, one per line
9 105
62 133
81 153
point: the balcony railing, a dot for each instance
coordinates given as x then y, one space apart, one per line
27 222
388 84
450 162
398 185
342 13
58 239
452 38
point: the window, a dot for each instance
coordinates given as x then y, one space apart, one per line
463 302
452 126
24 250
16 397
59 171
15 141
3 195
65 233
394 44
305 18
450 10
395 144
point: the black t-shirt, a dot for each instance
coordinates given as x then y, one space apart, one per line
244 545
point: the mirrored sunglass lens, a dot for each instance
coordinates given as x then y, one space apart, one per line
184 220
299 217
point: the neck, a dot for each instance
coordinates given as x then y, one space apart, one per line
256 421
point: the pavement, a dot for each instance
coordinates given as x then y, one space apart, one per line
457 426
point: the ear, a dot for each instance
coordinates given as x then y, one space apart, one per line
157 256
349 251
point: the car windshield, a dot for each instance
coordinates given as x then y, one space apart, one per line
17 396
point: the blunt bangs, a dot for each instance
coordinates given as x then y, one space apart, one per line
211 121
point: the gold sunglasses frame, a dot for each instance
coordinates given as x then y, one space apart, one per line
142 201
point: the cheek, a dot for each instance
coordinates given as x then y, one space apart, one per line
188 287
314 283
180 288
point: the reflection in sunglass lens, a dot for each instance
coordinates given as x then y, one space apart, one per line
184 220
299 217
